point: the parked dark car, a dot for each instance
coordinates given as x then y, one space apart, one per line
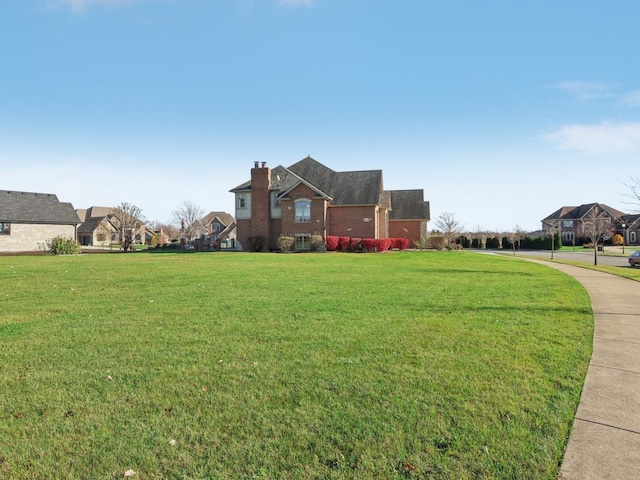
634 259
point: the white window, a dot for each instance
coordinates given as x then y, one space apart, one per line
632 237
5 228
303 211
216 227
242 201
303 242
567 223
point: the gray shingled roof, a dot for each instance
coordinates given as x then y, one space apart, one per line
408 204
27 207
572 213
345 188
225 218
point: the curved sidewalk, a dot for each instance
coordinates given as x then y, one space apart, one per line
605 439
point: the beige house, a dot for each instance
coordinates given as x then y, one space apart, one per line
28 221
99 227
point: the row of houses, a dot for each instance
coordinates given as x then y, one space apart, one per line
28 221
304 199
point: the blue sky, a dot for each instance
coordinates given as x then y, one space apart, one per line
501 111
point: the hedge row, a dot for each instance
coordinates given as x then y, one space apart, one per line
349 244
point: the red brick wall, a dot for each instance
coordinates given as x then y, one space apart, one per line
276 230
243 232
348 221
317 225
260 205
412 232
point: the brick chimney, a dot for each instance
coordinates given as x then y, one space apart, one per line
261 204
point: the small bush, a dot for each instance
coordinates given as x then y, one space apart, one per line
383 244
64 246
332 243
317 243
617 239
343 243
422 243
369 244
399 243
285 243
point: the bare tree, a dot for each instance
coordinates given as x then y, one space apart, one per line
172 231
553 228
595 226
188 216
449 226
514 237
634 192
129 223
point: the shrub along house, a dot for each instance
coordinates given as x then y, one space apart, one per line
309 198
28 221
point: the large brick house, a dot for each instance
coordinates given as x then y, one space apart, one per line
308 198
28 221
570 219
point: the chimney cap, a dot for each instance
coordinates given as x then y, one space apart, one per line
255 164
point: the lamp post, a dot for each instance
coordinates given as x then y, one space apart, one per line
624 235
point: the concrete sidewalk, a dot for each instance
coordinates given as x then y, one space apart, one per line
605 439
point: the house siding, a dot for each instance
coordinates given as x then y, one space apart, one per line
27 237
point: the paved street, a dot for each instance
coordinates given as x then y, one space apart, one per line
609 258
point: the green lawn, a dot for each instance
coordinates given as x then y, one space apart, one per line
334 366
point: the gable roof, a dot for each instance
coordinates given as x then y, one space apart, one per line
225 218
92 223
42 208
408 205
362 187
573 213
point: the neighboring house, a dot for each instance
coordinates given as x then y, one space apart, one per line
631 229
569 220
96 231
156 237
220 230
28 221
99 227
309 198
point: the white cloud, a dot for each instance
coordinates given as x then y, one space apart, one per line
632 99
296 3
605 138
586 91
